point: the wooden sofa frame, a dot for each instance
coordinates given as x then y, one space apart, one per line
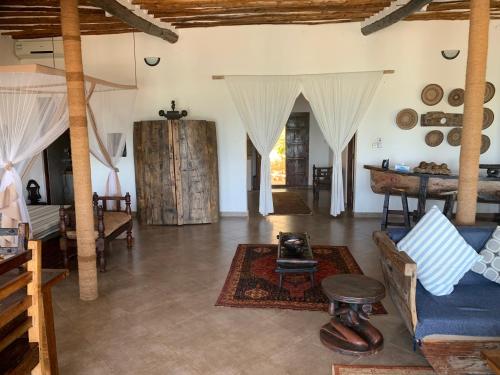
67 221
447 354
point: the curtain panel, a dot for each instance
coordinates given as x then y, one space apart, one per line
339 102
30 120
264 104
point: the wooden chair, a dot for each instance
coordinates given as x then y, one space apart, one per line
21 309
322 179
111 220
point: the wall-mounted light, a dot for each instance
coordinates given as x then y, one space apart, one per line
450 54
152 61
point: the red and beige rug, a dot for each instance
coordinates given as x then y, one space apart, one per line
381 370
253 282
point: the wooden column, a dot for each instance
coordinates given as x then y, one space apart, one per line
87 271
473 111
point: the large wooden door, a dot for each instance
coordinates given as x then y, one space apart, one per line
176 172
297 149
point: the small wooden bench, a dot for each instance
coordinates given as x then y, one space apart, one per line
110 222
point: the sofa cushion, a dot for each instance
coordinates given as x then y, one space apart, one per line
440 252
489 266
470 310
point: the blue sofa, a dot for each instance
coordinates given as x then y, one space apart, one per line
453 329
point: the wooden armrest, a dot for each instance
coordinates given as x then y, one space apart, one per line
399 259
400 274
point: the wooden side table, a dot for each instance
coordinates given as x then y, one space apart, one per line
351 298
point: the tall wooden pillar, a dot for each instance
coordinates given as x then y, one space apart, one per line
87 271
473 111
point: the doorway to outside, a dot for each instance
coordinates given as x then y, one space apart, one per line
290 155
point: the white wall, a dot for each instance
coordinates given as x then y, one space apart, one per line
319 152
184 74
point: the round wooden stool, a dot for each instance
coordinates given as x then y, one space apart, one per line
351 298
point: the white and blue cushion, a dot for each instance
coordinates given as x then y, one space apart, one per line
489 266
440 252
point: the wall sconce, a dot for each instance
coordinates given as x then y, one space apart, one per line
450 54
152 61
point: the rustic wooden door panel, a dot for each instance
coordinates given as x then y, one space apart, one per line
297 150
176 172
199 172
154 170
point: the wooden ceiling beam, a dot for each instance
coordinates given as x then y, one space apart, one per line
274 22
25 11
55 20
39 3
48 34
130 18
397 15
269 17
451 5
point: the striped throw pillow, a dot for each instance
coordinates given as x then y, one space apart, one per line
489 266
440 252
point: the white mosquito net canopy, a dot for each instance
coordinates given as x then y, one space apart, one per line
34 113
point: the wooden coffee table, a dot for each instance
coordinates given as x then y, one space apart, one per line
351 298
293 262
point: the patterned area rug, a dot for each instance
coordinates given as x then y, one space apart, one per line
253 282
381 370
289 203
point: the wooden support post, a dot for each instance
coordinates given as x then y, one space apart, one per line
87 271
473 111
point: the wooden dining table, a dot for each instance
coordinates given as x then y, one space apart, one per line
425 186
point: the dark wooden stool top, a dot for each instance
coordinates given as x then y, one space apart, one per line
349 331
351 288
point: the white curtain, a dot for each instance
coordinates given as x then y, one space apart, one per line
264 104
108 112
339 102
30 120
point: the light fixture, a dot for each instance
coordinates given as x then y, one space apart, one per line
450 54
152 61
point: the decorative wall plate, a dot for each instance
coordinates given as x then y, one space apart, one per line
488 117
434 138
485 143
456 97
407 119
489 92
432 94
454 137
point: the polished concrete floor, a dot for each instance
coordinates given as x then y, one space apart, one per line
156 313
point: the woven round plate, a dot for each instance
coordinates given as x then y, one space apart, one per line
456 97
432 94
406 119
485 143
488 117
454 136
434 138
489 92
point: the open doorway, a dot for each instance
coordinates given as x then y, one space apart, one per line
300 146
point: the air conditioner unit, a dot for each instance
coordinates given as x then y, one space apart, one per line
33 49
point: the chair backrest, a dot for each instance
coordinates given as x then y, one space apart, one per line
115 205
21 308
322 172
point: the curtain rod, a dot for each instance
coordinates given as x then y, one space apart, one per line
387 71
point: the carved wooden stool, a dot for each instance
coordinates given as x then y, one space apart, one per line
351 298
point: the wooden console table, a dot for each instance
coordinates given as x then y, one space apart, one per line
425 186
